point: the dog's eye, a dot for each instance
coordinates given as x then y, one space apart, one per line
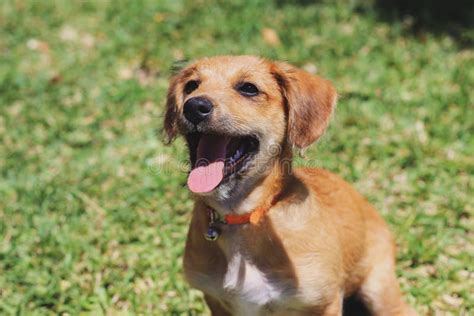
190 86
247 89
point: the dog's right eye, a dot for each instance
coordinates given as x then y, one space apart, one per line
247 89
190 86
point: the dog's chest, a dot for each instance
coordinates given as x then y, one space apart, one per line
246 287
248 283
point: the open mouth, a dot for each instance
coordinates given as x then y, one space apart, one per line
216 157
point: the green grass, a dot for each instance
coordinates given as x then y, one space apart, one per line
93 210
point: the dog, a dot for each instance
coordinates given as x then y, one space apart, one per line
266 238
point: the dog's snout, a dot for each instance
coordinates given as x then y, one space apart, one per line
197 109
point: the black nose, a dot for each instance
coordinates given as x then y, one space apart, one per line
197 109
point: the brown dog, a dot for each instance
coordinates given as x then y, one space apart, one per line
265 238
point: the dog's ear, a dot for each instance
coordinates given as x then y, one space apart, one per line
170 125
310 101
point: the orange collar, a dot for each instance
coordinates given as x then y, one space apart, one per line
253 217
234 219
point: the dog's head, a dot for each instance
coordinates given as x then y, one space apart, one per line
239 113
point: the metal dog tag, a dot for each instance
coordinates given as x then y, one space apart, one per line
212 233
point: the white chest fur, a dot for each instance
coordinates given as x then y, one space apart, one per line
250 288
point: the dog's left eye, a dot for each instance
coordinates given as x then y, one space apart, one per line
191 86
247 89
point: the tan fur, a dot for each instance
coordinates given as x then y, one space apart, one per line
322 241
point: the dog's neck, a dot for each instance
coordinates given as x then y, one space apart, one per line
258 192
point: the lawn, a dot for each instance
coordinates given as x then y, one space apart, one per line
93 207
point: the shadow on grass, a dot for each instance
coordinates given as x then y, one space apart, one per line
296 2
353 306
455 17
418 17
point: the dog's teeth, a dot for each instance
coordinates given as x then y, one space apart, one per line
237 154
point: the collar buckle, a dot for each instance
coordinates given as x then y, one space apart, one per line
213 231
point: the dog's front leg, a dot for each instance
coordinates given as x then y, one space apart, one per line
216 308
335 307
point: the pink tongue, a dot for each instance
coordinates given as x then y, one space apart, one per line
209 169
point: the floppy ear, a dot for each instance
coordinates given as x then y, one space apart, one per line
310 101
170 125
